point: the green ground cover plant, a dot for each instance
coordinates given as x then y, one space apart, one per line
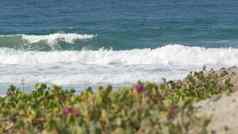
143 108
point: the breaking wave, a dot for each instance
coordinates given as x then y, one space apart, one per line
49 39
166 55
52 39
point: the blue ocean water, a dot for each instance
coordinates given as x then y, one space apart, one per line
80 43
127 24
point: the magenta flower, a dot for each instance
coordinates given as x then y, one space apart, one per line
71 111
172 112
67 111
139 88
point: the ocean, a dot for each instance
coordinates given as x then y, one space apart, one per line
79 43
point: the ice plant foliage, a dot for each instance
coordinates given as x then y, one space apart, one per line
144 108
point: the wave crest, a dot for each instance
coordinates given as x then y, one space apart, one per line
50 39
168 55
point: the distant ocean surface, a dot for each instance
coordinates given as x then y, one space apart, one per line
80 43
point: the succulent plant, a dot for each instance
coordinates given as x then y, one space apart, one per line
142 108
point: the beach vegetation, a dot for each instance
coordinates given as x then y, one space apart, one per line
142 108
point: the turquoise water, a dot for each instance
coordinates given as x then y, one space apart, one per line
125 24
79 43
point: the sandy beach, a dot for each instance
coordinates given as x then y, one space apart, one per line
223 109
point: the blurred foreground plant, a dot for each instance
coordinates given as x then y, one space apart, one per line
144 108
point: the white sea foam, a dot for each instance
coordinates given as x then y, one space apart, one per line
168 55
89 68
53 38
56 37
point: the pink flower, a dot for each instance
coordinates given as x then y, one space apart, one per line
71 111
172 112
67 111
139 88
